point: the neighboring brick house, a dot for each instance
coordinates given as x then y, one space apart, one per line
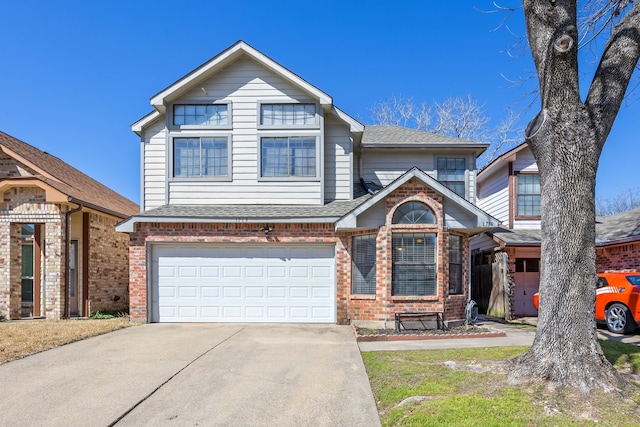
60 255
618 241
263 202
509 189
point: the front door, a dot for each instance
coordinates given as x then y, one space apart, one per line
26 275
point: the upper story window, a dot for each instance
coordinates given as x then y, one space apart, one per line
201 157
413 213
204 115
288 115
451 173
288 156
528 194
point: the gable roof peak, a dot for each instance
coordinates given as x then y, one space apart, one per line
221 60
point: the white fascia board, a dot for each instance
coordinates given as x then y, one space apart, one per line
158 101
483 218
354 125
139 126
128 225
486 171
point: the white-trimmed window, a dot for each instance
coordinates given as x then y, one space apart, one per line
288 156
528 195
456 257
363 270
288 115
451 173
201 115
414 260
197 157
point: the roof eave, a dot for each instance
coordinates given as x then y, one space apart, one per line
128 225
484 220
138 127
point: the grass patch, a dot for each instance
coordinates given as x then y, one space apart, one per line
467 387
22 338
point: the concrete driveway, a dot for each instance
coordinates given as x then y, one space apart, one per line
194 374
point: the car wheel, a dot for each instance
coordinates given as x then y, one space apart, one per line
619 319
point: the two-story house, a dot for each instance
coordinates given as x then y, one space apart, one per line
509 189
264 202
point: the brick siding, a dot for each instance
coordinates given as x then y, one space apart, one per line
108 265
618 257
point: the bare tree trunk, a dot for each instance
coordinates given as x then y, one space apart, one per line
566 138
566 351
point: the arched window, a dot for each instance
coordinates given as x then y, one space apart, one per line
413 213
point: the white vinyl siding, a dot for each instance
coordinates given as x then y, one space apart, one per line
493 195
245 85
154 165
337 160
383 166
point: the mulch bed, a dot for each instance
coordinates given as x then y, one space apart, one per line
458 332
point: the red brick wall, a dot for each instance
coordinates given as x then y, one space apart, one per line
383 306
108 265
618 257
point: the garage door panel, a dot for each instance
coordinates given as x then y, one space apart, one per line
254 292
232 271
210 272
243 283
318 292
299 292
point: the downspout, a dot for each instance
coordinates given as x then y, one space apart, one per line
67 242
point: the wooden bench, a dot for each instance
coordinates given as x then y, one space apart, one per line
418 317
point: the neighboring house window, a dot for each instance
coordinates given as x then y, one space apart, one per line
455 264
451 173
528 194
210 115
363 271
527 265
414 264
200 157
413 213
287 114
289 156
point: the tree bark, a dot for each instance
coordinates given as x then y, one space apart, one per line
566 138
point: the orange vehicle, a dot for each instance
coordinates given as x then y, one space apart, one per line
617 300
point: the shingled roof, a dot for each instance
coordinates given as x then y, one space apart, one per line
67 179
398 136
618 227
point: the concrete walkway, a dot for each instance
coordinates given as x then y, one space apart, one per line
194 374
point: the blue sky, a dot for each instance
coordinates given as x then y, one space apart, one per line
76 74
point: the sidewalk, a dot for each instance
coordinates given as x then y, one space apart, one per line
516 336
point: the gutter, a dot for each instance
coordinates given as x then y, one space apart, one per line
96 207
67 242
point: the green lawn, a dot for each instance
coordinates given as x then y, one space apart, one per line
468 388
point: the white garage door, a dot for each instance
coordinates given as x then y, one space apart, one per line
243 283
